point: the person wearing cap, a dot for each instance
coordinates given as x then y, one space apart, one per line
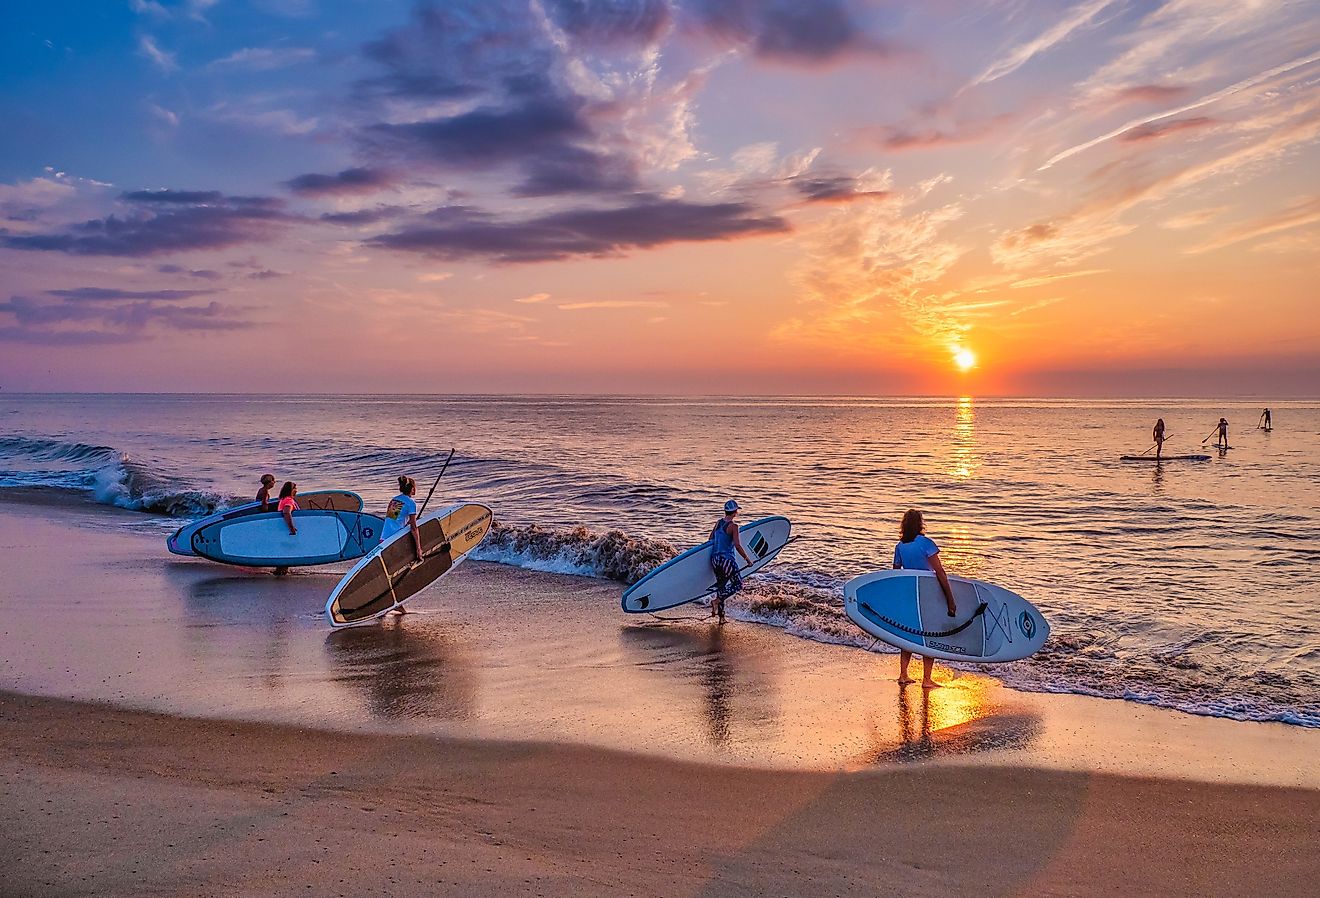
725 540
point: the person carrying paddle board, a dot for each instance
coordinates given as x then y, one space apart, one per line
288 504
263 494
917 552
402 512
724 541
1157 434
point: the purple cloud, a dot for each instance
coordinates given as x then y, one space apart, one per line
164 221
804 32
205 274
349 182
99 294
458 232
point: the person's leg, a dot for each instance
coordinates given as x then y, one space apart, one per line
904 657
927 669
721 588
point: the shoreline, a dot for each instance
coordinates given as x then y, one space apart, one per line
104 801
502 653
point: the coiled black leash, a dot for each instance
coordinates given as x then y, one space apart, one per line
926 633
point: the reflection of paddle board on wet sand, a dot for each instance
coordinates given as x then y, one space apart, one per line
264 540
180 541
688 577
391 574
907 609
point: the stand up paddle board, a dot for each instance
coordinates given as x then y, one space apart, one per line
907 610
264 540
180 541
391 574
688 577
1152 458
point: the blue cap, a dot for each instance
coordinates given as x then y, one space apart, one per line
730 506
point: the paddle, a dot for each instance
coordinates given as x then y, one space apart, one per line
437 482
1157 442
1212 433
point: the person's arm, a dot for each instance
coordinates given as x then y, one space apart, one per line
416 534
288 519
732 530
938 567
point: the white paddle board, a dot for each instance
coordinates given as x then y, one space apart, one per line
907 610
392 573
688 577
180 541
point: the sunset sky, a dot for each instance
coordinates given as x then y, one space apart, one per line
1102 197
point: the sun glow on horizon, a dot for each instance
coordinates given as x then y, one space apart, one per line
965 359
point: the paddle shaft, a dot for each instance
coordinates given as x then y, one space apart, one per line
437 483
1157 442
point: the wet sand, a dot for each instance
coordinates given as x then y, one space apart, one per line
520 735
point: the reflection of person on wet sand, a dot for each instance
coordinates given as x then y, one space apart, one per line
917 552
921 743
717 681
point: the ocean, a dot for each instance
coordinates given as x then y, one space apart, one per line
1188 585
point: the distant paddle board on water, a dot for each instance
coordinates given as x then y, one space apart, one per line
688 577
1151 458
907 609
264 540
180 541
391 573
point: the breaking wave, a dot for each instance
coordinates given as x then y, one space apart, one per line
613 555
109 476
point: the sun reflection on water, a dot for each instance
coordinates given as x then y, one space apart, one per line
963 460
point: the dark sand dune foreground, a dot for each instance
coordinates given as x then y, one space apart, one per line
97 801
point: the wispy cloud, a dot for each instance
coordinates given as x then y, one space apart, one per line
1245 84
1300 214
164 61
534 298
1051 278
1056 34
614 304
264 59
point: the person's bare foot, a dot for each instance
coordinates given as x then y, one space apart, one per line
931 684
905 680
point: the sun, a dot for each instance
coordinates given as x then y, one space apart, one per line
965 359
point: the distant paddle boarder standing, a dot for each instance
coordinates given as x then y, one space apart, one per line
1266 420
725 540
917 552
1158 435
1221 431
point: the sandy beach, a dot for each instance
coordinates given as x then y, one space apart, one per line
106 802
188 729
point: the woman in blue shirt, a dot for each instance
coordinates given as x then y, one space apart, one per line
917 552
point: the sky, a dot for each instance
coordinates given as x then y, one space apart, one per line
952 197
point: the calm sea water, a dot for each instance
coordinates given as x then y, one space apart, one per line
1188 585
